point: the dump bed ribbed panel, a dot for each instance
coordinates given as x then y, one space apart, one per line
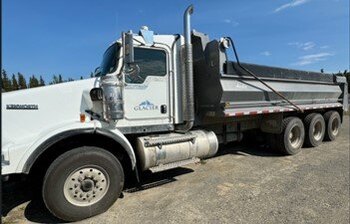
275 72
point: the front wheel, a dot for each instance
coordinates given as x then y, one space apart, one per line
82 182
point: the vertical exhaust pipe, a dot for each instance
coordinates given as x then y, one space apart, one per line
187 76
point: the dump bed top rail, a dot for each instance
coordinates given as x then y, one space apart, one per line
262 71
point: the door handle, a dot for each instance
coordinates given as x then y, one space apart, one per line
163 109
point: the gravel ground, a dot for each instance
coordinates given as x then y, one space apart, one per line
244 184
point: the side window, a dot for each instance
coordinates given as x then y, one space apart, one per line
151 62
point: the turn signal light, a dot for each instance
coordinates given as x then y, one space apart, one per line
82 118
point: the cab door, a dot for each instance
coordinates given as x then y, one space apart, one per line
146 93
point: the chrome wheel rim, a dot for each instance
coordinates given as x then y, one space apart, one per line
317 130
295 136
86 186
335 127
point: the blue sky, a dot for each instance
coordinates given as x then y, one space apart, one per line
69 37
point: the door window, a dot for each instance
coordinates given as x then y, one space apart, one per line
151 63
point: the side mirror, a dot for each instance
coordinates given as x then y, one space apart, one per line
97 72
132 69
128 46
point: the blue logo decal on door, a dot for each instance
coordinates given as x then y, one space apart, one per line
146 105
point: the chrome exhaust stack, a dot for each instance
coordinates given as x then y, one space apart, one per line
187 76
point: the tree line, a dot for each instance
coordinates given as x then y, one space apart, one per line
17 82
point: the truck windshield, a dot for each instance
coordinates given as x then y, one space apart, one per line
109 62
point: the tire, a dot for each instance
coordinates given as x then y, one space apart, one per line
290 141
333 124
315 129
85 172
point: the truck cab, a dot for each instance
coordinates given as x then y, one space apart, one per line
150 99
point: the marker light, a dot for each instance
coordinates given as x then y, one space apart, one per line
82 118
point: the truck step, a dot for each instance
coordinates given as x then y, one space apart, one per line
169 166
149 185
169 140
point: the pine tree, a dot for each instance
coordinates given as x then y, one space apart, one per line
22 83
41 81
81 78
91 74
30 84
70 80
33 82
54 80
14 82
6 84
347 76
60 80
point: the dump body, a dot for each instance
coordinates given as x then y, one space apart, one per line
222 88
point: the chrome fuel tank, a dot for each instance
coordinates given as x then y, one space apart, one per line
168 148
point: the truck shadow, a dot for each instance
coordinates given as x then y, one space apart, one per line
20 191
16 193
255 146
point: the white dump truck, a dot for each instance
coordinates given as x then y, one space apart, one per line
157 102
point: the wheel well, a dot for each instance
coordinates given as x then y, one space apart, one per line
44 160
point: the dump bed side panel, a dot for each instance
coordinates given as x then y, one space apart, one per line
221 86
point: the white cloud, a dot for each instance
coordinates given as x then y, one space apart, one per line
312 58
324 47
231 22
304 46
291 4
308 46
266 53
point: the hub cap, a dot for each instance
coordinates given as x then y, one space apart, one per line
335 127
86 186
295 137
317 131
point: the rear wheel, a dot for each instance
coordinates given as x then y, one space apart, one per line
333 123
82 183
314 129
292 137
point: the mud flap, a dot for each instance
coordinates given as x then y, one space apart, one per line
272 123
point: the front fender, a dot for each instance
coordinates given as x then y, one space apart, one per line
56 135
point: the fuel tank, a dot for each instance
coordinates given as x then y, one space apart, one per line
173 147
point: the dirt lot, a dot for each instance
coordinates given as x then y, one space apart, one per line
244 184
